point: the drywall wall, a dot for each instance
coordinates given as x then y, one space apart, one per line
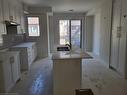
89 28
42 40
102 30
65 16
96 33
51 33
106 14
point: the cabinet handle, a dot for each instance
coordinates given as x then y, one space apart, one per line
11 59
119 31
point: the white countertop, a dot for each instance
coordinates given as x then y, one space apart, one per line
70 55
26 44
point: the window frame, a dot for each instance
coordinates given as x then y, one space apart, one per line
27 28
81 30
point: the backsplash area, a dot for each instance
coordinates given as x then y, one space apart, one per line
12 39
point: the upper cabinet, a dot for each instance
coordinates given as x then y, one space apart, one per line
12 10
6 9
22 20
1 22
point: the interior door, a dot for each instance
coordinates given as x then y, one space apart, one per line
115 40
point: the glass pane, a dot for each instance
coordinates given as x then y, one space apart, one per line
33 26
75 32
64 31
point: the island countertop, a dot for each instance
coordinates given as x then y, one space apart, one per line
70 55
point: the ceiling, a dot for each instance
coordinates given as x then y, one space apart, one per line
65 5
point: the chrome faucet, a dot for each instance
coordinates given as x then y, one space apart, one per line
69 45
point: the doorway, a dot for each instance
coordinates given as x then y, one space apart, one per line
70 32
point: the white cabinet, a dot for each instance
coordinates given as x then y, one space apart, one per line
1 22
6 9
119 37
13 10
9 70
28 53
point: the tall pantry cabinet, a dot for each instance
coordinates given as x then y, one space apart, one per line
119 37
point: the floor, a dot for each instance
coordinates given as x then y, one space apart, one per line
95 75
38 81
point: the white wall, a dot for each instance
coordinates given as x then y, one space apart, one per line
42 41
106 14
51 33
102 30
96 33
89 28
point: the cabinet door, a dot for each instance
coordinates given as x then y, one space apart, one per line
18 19
22 20
5 13
6 9
12 9
17 12
1 22
7 72
15 66
123 40
34 51
115 40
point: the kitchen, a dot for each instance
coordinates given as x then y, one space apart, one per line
20 49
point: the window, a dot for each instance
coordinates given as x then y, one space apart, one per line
70 32
64 32
33 26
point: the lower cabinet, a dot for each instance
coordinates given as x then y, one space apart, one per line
66 76
28 53
9 70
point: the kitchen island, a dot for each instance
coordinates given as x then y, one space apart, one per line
67 72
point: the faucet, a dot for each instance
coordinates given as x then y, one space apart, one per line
69 45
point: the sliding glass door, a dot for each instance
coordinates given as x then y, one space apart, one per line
70 32
76 33
64 32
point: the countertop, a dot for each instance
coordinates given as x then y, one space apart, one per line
70 55
26 44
